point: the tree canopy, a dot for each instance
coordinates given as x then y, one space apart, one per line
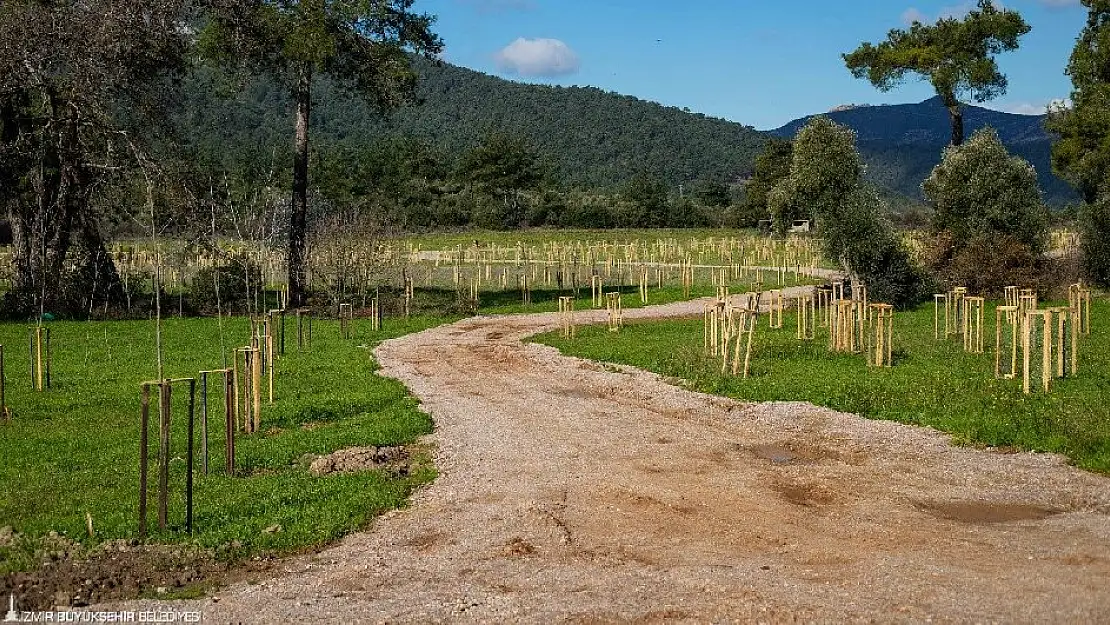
362 45
955 55
826 176
981 190
83 88
1081 154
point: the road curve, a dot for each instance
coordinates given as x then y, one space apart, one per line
575 492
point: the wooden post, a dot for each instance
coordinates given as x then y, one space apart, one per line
164 408
204 422
1005 323
189 457
566 316
973 324
144 423
615 313
230 402
256 387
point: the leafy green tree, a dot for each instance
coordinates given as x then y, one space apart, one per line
363 45
980 190
503 167
826 175
956 56
1081 154
772 165
648 196
82 85
712 193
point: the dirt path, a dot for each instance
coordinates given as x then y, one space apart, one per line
573 493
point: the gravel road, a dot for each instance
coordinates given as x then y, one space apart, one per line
570 492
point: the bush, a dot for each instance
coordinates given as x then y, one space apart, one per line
979 190
987 264
224 287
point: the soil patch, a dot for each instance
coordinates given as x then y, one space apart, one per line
977 512
71 576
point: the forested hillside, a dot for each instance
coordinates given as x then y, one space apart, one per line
587 137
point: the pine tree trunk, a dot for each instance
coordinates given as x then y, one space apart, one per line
299 212
957 115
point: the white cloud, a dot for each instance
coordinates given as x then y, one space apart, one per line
537 57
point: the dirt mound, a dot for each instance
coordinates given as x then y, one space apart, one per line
354 459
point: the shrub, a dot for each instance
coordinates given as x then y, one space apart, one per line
224 287
979 189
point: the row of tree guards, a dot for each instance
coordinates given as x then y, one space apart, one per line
854 324
241 389
1039 344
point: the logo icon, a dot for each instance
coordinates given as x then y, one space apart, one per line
12 615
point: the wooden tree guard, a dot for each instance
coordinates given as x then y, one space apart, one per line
844 326
1006 341
838 290
973 324
229 418
775 305
165 408
1079 301
1065 342
1011 295
375 315
248 388
346 314
596 290
881 321
859 294
824 306
954 312
1027 301
525 289
722 293
304 328
278 327
409 295
615 313
1036 341
738 333
687 278
643 285
806 319
39 342
566 317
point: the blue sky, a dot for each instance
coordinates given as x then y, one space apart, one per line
758 63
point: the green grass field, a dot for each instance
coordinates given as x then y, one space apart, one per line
933 383
74 449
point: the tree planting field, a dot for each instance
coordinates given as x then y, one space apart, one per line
73 450
933 383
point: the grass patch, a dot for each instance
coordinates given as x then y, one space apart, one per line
933 383
74 449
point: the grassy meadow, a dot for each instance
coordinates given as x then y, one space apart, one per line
73 450
933 383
